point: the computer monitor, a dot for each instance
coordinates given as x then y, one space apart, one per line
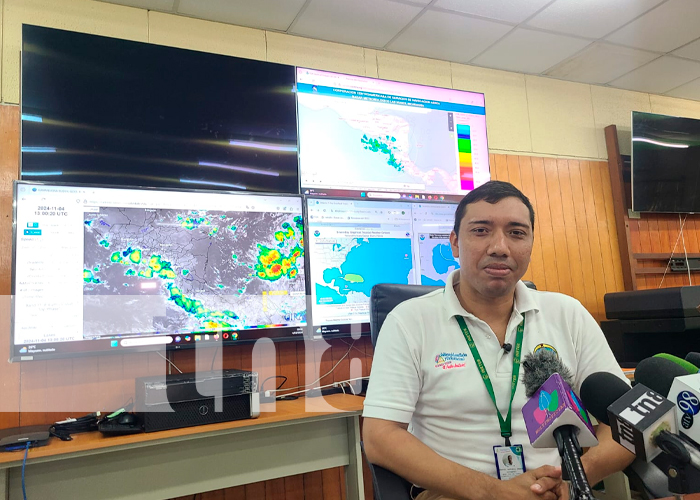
432 225
364 137
101 110
100 269
353 245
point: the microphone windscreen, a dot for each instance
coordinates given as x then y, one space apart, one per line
694 358
689 367
600 390
539 366
658 373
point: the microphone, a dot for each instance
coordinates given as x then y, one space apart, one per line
694 358
507 347
690 367
658 374
643 421
636 416
554 416
600 390
685 394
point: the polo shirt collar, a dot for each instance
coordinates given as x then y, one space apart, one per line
524 298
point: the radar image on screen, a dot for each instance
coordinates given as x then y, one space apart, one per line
191 270
364 137
381 143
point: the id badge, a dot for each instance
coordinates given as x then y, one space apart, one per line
510 461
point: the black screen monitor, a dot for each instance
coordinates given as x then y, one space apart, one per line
104 269
115 112
665 163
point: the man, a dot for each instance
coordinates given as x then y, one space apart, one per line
428 413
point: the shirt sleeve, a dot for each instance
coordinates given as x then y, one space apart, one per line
592 349
395 379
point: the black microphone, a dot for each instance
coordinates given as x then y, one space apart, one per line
507 347
694 358
643 421
562 421
658 373
600 390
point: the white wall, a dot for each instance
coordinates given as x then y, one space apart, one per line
525 114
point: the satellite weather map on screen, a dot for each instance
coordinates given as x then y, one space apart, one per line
364 137
181 263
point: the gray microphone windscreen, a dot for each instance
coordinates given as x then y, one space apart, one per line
539 366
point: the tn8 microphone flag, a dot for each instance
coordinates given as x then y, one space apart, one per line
637 417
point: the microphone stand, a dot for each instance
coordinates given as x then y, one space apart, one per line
572 469
676 462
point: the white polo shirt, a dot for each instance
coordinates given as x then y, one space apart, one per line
423 372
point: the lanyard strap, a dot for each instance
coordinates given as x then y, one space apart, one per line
504 423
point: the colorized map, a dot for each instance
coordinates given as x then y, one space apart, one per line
377 143
352 266
436 259
171 271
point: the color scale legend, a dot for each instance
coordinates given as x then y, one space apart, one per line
464 147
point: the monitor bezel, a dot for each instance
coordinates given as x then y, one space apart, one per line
449 198
17 357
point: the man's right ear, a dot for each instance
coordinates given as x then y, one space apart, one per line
454 244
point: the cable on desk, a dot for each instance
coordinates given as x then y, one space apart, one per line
334 384
262 385
319 378
356 348
24 464
213 358
65 428
171 363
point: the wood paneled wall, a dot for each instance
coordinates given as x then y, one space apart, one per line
575 253
661 234
576 250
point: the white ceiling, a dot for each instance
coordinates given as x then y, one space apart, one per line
645 45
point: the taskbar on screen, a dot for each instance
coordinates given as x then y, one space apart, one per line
147 343
378 195
345 330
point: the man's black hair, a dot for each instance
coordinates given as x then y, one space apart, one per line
492 192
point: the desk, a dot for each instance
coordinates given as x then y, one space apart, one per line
294 439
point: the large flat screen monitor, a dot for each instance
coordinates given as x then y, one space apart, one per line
353 245
112 269
432 225
665 163
364 137
107 111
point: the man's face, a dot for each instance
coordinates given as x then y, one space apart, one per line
493 246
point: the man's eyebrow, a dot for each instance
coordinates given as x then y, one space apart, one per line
490 223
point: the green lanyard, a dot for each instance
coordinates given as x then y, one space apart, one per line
505 423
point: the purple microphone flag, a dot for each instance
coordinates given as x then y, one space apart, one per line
553 405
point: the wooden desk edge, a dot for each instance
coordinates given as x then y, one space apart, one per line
287 413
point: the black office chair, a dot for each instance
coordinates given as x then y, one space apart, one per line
383 298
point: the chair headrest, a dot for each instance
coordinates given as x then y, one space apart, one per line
384 297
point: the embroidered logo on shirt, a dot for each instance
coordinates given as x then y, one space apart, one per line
449 360
545 346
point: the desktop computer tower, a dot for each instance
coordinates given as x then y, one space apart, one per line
189 399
